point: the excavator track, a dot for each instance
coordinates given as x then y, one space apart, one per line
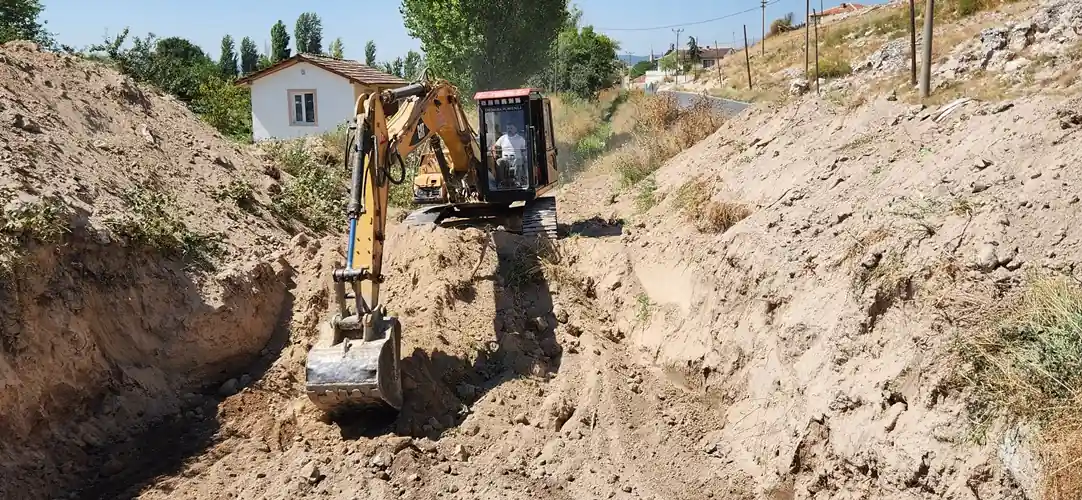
539 218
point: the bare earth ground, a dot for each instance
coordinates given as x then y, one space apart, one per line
799 354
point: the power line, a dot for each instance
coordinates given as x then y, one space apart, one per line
693 23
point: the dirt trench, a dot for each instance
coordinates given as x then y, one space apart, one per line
508 392
102 342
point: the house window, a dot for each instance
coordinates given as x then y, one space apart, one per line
302 107
708 63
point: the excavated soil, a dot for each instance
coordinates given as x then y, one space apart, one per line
100 335
800 354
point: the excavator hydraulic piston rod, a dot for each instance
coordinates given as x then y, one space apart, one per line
350 275
408 91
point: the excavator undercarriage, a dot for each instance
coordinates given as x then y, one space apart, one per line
497 174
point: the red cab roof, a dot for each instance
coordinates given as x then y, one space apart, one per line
501 94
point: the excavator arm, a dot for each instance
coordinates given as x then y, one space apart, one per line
355 361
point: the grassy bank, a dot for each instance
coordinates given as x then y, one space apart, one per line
649 130
584 129
1023 361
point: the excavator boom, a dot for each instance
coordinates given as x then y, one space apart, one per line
354 363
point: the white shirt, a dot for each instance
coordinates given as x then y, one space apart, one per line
512 145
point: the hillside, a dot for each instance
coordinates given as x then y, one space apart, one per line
990 49
139 260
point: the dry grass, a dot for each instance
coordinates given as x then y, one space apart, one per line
574 119
846 42
1024 361
534 261
696 203
660 131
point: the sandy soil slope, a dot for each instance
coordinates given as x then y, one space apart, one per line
109 197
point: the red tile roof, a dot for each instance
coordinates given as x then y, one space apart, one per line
501 94
349 69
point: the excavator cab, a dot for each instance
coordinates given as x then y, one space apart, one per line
518 145
517 169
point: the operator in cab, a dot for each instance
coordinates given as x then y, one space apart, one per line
511 148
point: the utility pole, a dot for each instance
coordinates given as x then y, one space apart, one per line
677 49
717 58
807 21
926 64
912 42
817 51
763 43
747 58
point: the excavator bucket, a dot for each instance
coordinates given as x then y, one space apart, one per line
345 374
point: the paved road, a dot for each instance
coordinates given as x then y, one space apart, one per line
726 106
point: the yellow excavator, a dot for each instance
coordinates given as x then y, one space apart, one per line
507 171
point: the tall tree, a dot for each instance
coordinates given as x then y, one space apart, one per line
397 68
694 53
588 61
308 34
279 42
19 21
370 53
337 51
227 61
249 56
411 66
485 43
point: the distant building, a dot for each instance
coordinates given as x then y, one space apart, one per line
309 94
841 9
708 56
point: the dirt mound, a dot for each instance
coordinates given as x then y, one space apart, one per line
116 203
510 388
824 319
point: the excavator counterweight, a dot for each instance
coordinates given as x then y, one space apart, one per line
354 364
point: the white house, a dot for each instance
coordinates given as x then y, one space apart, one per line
309 94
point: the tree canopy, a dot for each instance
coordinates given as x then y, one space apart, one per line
249 56
173 64
485 43
308 34
412 65
227 61
694 52
279 42
19 20
337 50
588 61
640 68
370 53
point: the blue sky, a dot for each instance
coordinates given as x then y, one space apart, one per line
81 22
